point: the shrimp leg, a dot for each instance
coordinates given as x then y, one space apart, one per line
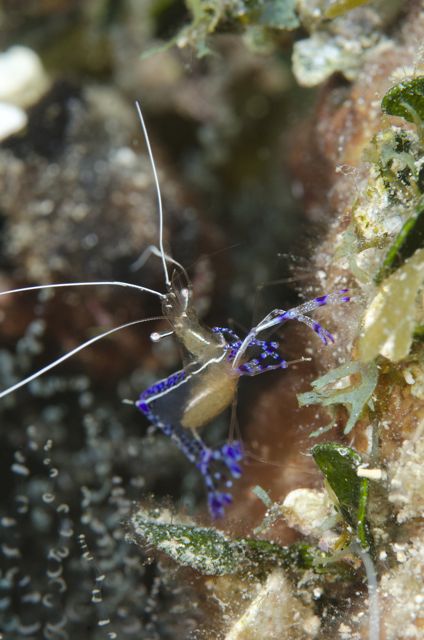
216 466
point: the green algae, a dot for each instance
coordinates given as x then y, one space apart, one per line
203 548
354 396
255 18
388 219
340 7
274 14
339 465
212 553
406 100
393 195
409 239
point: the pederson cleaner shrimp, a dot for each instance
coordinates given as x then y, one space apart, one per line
216 358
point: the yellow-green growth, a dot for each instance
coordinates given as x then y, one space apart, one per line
390 320
339 7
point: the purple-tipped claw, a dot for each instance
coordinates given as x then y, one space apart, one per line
325 335
212 464
321 300
217 501
233 451
343 297
230 454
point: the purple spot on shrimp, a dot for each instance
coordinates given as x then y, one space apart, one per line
216 506
205 455
317 327
286 314
166 428
217 501
235 470
345 299
172 380
233 451
322 300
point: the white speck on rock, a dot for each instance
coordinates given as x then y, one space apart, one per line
22 77
12 120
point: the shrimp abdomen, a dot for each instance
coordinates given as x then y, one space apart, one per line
212 392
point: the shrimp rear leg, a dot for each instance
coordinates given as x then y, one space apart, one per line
268 351
255 366
217 466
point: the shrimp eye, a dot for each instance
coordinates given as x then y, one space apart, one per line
169 302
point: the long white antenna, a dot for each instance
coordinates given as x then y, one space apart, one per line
155 175
53 364
115 283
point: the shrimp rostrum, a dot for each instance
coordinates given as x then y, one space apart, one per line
216 358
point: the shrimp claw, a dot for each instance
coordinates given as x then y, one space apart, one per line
278 317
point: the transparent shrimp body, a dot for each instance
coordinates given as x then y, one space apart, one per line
190 398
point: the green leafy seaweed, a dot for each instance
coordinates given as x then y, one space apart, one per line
409 239
211 552
262 553
406 100
339 465
354 396
203 548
